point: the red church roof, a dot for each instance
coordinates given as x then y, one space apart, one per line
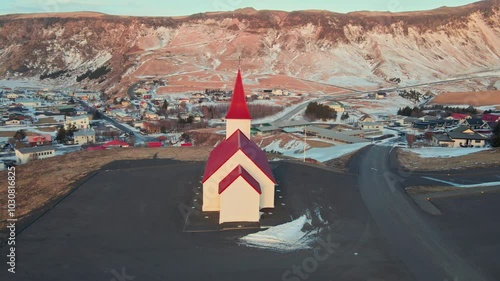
234 175
238 108
226 149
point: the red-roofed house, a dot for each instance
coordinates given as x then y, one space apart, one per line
460 116
492 117
238 167
115 143
39 140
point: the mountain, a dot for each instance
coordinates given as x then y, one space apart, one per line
287 49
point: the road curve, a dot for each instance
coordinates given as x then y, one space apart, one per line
417 243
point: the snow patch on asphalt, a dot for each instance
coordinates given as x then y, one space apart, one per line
443 152
283 238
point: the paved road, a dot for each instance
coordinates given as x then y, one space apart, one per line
421 248
138 137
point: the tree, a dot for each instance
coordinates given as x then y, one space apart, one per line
62 135
71 130
410 139
345 116
495 139
164 105
428 136
131 139
185 137
20 135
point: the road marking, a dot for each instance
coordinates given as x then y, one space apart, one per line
486 184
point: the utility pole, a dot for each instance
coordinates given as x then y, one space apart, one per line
305 143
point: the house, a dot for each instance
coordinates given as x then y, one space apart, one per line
149 115
115 143
459 116
84 136
442 140
13 122
372 126
474 123
366 118
380 95
238 181
29 102
460 137
80 122
340 137
12 96
123 117
265 130
338 107
39 140
492 117
428 118
24 155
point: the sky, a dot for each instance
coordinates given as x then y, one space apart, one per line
188 7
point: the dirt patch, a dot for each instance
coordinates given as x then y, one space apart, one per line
341 163
483 159
318 144
10 134
483 98
48 129
39 182
417 190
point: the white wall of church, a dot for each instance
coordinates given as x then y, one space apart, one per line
211 198
232 125
239 203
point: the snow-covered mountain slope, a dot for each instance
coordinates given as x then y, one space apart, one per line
361 50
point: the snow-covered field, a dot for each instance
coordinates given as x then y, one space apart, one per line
295 148
326 154
443 152
283 238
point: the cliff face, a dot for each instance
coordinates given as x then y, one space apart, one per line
362 47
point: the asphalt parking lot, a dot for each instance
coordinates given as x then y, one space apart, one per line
472 223
126 223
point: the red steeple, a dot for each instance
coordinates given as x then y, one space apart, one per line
238 108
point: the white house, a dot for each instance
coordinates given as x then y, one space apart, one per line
238 181
12 96
13 122
80 122
29 102
372 126
84 137
24 155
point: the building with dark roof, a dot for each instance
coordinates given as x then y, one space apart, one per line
460 137
24 155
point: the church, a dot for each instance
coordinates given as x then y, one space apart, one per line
238 181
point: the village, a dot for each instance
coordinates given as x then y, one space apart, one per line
38 124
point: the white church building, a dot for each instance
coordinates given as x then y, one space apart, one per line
238 181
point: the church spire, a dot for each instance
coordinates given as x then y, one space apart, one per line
238 108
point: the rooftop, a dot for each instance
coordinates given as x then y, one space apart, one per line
238 108
84 133
340 136
76 118
36 149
